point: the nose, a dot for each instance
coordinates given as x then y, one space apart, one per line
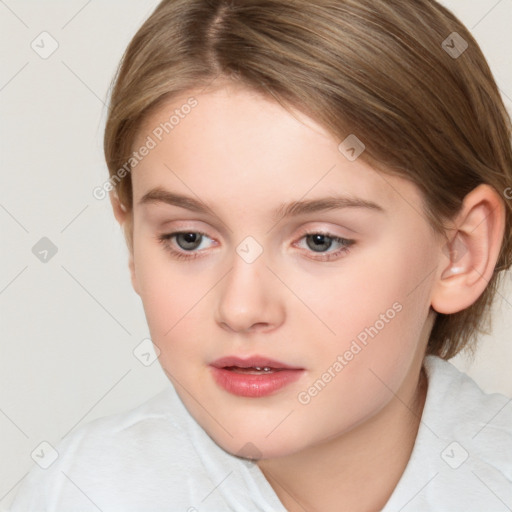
250 298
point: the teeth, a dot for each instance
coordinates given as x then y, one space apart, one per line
252 369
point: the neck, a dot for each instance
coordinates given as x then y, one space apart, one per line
335 474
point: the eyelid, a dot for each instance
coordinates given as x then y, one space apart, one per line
172 234
326 231
346 244
303 231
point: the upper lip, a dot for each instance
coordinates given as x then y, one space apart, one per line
251 362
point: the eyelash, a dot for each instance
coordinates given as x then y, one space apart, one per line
165 238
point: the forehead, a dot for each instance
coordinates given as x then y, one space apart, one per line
235 141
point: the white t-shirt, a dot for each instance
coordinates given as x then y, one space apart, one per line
157 458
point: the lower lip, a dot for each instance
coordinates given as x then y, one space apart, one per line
254 386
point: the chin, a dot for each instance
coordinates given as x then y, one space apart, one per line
254 445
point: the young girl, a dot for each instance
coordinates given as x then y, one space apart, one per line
316 198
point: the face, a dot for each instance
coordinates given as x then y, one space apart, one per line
340 294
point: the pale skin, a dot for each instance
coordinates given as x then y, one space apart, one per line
244 155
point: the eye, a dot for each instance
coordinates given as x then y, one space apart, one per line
187 242
320 243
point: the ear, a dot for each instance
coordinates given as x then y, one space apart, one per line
125 219
470 255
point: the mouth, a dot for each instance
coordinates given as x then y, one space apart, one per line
258 363
255 376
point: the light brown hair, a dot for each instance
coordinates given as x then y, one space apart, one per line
374 68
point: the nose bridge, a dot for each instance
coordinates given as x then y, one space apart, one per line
248 295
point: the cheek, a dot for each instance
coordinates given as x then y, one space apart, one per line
357 299
177 303
165 292
377 311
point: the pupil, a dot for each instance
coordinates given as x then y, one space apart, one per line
322 244
188 238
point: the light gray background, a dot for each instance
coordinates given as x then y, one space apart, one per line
69 326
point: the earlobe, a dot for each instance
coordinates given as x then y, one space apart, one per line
468 259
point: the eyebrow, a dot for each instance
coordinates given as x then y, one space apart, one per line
286 210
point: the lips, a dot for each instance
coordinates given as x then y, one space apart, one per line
253 377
